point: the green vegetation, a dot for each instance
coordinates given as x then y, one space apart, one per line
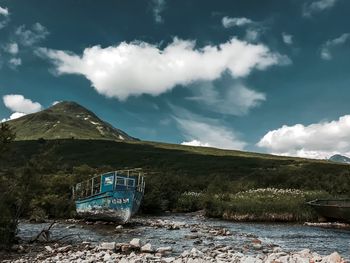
268 204
173 171
39 170
65 120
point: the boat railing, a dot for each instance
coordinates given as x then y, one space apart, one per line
122 180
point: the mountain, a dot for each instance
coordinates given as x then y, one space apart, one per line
66 120
339 158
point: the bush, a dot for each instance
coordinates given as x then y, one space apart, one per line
268 204
190 202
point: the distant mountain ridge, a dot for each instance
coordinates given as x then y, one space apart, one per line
340 158
66 120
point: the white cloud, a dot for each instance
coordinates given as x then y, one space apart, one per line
18 103
232 99
287 39
13 116
207 132
15 62
4 11
326 49
210 135
12 48
252 35
140 68
317 6
319 140
158 7
29 37
228 22
196 143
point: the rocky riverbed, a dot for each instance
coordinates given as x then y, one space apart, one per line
182 238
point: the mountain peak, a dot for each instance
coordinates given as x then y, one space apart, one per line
340 158
66 119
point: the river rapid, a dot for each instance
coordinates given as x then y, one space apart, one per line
156 230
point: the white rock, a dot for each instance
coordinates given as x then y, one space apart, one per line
48 248
164 250
147 248
106 246
135 243
168 260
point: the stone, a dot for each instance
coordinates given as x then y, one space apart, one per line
64 249
334 258
107 246
164 250
147 248
125 248
49 249
168 260
135 243
71 226
119 227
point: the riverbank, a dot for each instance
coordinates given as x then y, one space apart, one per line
135 251
179 234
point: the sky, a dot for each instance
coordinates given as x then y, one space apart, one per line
265 76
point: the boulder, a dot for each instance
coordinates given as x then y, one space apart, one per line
135 243
147 248
107 246
164 250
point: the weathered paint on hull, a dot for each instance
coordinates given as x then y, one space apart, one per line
116 206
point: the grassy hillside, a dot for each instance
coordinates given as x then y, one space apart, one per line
176 176
65 120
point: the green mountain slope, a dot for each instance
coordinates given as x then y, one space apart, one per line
65 120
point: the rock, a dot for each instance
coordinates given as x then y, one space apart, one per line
125 248
164 250
49 249
119 227
135 243
257 246
168 260
192 236
147 248
334 258
107 246
64 249
70 226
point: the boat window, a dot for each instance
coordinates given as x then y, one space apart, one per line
108 180
131 182
120 181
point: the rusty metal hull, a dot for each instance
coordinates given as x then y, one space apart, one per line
116 206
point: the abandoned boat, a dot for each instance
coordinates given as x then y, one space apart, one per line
334 210
113 196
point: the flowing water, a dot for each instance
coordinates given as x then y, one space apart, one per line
290 237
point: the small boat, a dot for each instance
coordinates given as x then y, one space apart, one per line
334 210
113 196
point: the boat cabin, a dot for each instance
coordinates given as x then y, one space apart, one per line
120 180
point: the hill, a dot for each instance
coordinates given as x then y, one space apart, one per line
66 120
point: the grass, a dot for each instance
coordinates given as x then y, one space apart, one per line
173 171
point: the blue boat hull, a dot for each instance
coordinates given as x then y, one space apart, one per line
116 206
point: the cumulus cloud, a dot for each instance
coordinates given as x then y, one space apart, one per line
326 49
317 6
34 35
140 68
4 16
319 140
233 99
4 11
196 143
18 103
12 48
228 22
13 116
287 38
15 62
208 133
158 7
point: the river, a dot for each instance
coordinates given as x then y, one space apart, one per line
289 237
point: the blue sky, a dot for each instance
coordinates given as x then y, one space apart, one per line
269 76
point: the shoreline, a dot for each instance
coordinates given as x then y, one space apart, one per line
206 241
